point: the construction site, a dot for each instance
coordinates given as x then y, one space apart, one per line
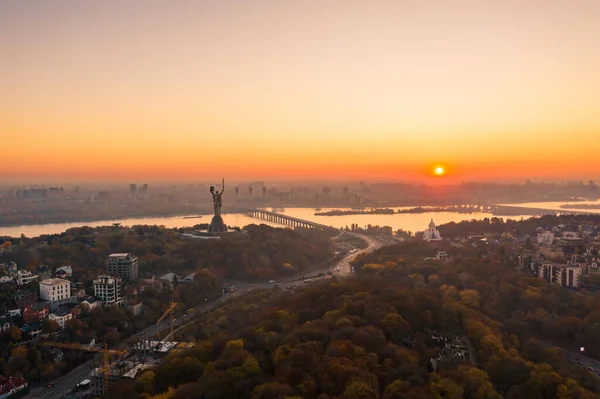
125 362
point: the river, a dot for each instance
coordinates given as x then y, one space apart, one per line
406 221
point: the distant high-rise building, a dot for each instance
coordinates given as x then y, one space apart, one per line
143 190
124 265
346 191
237 192
133 190
250 192
264 192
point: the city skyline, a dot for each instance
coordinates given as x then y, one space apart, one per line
493 91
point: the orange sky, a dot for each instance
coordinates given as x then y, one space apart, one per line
307 89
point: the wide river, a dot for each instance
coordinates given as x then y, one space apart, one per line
410 222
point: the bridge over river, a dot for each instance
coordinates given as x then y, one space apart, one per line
278 218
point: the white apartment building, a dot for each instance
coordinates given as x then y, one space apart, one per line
570 276
564 275
55 289
124 265
108 290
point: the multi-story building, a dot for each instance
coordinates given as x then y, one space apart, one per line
55 289
570 276
552 252
564 275
124 265
108 290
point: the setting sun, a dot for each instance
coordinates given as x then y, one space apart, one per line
439 171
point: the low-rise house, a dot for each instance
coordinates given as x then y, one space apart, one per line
441 256
5 323
90 303
135 309
79 293
61 316
12 386
35 313
9 266
25 277
170 278
5 279
33 330
66 271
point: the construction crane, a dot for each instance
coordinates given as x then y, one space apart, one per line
170 310
91 348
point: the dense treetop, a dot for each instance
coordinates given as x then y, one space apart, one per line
259 252
373 336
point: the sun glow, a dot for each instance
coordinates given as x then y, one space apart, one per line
439 171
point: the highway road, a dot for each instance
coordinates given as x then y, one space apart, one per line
343 267
591 365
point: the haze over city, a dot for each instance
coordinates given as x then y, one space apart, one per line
300 90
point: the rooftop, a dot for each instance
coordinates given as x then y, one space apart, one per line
120 255
54 281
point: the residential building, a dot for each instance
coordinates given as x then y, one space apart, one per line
546 238
108 290
552 252
564 275
9 266
5 323
33 330
35 313
90 303
64 271
442 256
123 265
25 277
594 267
5 279
61 316
570 276
11 386
55 289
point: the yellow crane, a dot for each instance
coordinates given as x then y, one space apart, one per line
169 310
90 348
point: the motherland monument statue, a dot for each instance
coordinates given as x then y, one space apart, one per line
217 225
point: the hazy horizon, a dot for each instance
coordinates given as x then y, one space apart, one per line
331 91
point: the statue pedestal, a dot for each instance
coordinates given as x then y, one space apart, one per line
217 225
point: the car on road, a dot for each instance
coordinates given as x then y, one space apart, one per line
51 384
591 368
